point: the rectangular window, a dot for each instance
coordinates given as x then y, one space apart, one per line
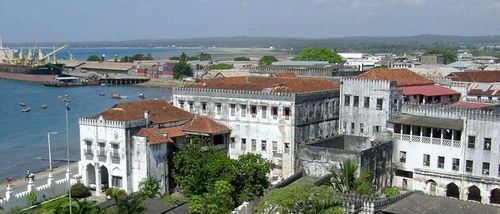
275 146
191 106
402 156
88 149
486 168
218 108
233 142
344 125
361 128
116 181
347 100
274 112
253 111
427 160
264 111
263 145
115 154
203 108
243 109
471 142
367 102
233 109
254 144
287 148
181 104
356 101
353 128
468 165
455 164
440 162
487 144
243 144
102 152
498 169
380 102
287 112
376 129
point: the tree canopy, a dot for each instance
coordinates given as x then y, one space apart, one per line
449 55
267 60
94 58
182 70
241 58
319 54
136 57
345 179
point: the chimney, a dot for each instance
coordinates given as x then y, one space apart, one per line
146 117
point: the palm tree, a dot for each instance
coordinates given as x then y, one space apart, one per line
345 179
130 205
149 187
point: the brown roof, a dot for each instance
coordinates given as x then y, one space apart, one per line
476 76
154 136
285 74
160 111
277 84
173 131
487 93
403 77
203 124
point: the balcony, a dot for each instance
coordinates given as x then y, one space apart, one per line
427 140
101 155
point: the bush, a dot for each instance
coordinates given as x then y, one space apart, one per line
242 58
79 190
115 192
391 191
172 200
221 66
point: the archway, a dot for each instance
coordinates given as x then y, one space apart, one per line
116 178
104 177
452 190
90 171
431 186
495 196
474 194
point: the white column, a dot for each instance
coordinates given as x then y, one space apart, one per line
50 178
30 184
8 192
98 189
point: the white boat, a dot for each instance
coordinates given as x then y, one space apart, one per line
26 109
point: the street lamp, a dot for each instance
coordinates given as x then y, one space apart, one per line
66 102
50 158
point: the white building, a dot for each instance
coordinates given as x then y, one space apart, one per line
268 115
133 140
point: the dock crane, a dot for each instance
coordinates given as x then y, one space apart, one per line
42 57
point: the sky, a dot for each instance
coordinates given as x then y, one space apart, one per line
119 20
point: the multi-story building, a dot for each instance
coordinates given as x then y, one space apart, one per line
134 140
268 115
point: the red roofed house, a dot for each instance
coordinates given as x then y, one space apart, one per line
267 115
133 140
483 86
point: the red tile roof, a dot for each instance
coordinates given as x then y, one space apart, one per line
285 74
470 105
476 76
154 136
427 90
403 77
277 84
173 131
160 111
486 93
203 124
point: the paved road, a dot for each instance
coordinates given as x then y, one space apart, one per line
20 185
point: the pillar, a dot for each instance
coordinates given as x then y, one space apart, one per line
442 134
50 178
98 189
30 185
8 192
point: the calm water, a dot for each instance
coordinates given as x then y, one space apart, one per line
23 135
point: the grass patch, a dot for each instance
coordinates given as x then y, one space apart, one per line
172 200
53 204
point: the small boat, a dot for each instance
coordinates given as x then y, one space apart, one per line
142 96
44 106
22 104
116 96
102 94
26 109
60 96
123 97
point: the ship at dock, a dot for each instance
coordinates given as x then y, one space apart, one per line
30 65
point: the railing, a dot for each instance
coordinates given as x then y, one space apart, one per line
88 152
427 140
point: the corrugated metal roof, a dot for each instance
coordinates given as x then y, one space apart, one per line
433 122
470 105
428 90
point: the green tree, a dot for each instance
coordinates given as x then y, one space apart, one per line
79 190
83 207
183 58
391 191
32 198
381 67
182 70
149 187
221 66
252 176
94 58
204 56
297 198
449 55
241 58
345 179
216 200
319 54
130 205
267 60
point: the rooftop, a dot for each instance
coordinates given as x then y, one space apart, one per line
403 77
203 124
476 76
428 90
107 66
275 84
470 105
154 136
433 122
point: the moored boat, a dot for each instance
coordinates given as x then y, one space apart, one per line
102 94
116 96
26 109
142 96
22 104
44 106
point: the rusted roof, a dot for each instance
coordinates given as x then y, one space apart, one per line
470 105
107 66
476 76
486 93
154 136
203 124
174 131
160 111
285 74
276 84
403 77
428 90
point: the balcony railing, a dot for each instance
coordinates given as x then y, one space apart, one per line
88 152
427 140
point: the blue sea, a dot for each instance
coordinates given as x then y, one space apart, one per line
23 135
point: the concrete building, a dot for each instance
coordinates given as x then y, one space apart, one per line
268 115
432 59
134 140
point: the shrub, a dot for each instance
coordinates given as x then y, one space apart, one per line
115 192
241 58
172 200
79 190
32 198
391 191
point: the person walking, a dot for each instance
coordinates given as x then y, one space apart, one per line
27 174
